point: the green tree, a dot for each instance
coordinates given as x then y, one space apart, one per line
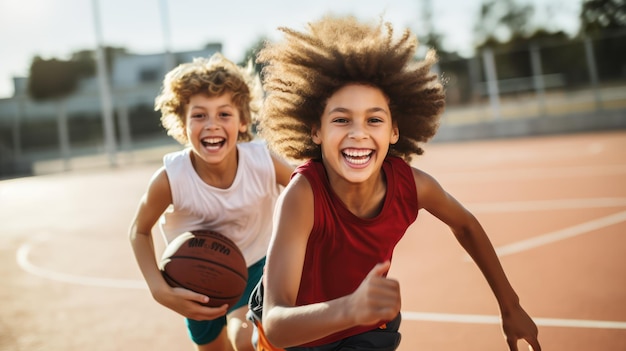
51 79
603 23
602 15
500 20
55 80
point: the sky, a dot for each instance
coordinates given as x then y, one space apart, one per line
57 28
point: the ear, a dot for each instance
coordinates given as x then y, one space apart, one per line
395 135
315 135
243 127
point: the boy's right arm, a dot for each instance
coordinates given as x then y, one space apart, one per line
152 205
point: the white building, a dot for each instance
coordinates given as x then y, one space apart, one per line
135 80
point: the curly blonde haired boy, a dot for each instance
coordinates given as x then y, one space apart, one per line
221 181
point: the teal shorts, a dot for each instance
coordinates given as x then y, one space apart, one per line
203 332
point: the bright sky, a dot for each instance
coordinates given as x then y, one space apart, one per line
57 28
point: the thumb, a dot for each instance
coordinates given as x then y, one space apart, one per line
379 269
512 344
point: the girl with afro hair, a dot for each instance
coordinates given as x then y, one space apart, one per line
347 100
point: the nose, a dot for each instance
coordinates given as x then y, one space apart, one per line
211 122
357 131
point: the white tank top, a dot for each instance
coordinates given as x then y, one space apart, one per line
243 212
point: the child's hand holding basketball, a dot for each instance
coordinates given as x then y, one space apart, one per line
377 298
188 303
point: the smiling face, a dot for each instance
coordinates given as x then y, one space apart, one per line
355 132
213 124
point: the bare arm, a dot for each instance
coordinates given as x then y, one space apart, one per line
472 237
152 205
376 299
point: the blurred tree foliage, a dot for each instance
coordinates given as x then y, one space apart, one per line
502 19
598 16
54 78
505 26
603 20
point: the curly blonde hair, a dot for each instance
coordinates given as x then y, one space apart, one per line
212 76
304 70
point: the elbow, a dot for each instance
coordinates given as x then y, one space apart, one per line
463 235
272 334
467 233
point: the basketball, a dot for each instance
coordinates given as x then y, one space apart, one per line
208 263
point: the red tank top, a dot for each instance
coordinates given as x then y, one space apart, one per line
342 248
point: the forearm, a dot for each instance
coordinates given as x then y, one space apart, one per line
477 244
292 326
143 248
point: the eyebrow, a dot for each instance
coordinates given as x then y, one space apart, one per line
369 110
191 107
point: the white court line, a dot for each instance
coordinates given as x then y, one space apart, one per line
547 205
533 173
561 234
490 319
25 264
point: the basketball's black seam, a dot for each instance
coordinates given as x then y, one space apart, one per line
214 262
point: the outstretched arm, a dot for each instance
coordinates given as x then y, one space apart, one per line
516 323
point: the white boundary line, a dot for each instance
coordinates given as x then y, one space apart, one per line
24 262
532 173
547 205
490 319
26 265
561 234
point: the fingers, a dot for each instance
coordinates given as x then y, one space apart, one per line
379 270
192 295
533 345
378 297
512 344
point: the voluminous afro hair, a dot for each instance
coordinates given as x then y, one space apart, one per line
212 76
305 69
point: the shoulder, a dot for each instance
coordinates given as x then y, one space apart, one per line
253 147
176 155
159 184
176 161
297 193
295 206
255 154
423 180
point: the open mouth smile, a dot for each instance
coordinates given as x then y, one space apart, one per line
213 143
357 156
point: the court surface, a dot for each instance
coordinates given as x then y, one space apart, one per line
554 208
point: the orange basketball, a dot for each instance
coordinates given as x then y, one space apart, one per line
208 263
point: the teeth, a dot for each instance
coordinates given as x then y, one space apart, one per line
212 140
358 161
357 153
357 156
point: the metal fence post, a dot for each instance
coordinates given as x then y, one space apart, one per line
492 82
593 72
105 91
538 83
